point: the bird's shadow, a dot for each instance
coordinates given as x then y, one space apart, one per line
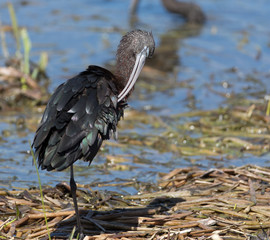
119 221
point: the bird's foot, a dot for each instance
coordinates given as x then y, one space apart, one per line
77 233
80 236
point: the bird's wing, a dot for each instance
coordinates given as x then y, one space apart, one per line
81 113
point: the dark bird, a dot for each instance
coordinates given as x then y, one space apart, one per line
85 110
191 12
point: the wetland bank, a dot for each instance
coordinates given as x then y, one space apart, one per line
206 107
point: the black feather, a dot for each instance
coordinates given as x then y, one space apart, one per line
81 113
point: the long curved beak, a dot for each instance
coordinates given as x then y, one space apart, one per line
139 63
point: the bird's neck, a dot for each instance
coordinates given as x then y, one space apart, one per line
124 67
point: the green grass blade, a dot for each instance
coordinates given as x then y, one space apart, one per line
268 108
43 61
11 221
41 193
15 27
26 56
3 41
72 233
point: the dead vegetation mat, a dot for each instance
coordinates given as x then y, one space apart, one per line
227 203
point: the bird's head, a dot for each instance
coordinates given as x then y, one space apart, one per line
132 52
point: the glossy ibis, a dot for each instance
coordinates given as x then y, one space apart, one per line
85 110
190 11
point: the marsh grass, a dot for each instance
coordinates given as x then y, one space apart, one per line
190 203
25 82
187 202
230 131
23 49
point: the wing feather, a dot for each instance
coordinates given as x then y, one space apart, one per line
80 114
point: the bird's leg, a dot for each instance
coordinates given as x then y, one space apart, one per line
73 187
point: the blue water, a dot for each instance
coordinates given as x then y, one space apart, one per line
78 33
